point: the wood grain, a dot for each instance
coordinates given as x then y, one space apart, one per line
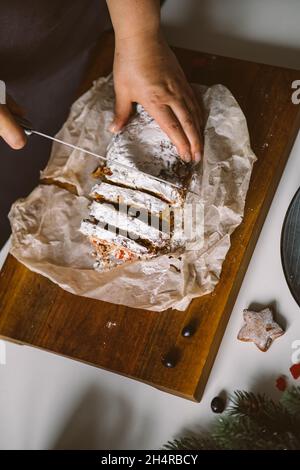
133 342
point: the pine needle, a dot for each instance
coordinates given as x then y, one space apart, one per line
252 422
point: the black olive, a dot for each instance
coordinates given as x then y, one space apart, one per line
188 331
217 405
171 359
168 362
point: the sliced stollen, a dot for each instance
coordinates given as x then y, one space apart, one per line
133 214
142 150
94 230
131 227
131 178
112 249
131 198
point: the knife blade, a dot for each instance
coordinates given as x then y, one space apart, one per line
25 124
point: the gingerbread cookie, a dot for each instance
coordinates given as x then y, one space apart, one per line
260 328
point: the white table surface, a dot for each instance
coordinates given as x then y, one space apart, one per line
47 401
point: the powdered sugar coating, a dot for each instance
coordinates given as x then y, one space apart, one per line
144 147
260 328
129 197
136 228
96 231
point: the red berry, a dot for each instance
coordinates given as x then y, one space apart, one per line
281 383
295 370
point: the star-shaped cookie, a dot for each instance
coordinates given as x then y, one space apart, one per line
260 328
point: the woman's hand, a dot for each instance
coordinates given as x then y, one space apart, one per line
147 72
10 131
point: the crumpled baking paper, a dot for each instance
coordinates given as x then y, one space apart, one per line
45 235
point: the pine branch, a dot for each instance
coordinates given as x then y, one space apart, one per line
269 416
291 400
192 443
253 421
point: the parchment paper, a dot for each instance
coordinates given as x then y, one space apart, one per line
45 235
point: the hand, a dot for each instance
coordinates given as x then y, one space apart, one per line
147 72
10 131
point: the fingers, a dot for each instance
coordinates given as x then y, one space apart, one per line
179 116
190 124
168 122
123 111
10 131
194 106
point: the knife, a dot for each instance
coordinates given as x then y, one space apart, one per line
28 129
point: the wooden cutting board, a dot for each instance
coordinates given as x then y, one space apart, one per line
131 342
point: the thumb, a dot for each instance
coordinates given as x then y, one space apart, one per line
10 131
123 110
